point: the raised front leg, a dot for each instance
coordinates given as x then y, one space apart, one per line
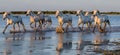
5 28
31 25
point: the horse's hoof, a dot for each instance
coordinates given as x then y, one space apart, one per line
3 32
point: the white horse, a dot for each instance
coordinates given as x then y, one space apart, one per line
11 19
99 19
44 19
64 18
83 19
34 18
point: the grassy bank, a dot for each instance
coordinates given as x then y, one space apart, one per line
65 11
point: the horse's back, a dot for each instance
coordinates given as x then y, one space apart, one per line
17 18
41 16
67 17
48 18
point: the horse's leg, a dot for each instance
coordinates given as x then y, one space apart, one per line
71 25
94 27
88 26
14 27
91 25
67 27
5 28
31 25
82 26
23 25
40 25
49 24
79 25
35 26
109 24
18 26
104 26
61 26
44 24
100 28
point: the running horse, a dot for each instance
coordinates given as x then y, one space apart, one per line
64 18
83 19
12 19
44 19
99 20
34 18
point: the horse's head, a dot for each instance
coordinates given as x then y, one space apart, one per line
96 12
58 13
79 12
39 12
28 12
86 13
5 15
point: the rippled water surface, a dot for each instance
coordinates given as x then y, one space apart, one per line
51 43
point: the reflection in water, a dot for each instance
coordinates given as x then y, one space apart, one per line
12 37
35 39
82 42
64 42
12 43
67 41
37 36
60 43
79 44
99 40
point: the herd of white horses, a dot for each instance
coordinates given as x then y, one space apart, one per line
91 20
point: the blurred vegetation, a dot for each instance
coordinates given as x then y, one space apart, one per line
53 12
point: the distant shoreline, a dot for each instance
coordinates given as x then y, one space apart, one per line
65 12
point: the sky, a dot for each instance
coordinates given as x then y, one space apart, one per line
88 5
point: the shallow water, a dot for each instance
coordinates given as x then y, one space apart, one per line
46 43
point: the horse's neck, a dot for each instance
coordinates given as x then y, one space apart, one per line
96 18
32 14
81 16
61 14
10 16
59 19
